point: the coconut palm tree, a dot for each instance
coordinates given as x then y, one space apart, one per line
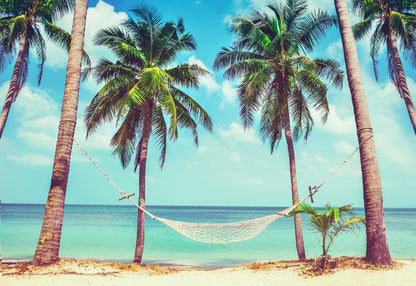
47 250
141 90
377 247
278 79
20 26
395 21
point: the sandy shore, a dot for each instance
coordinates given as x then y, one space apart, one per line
351 271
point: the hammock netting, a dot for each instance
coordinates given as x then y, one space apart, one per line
223 232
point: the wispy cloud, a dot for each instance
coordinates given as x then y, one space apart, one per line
99 17
207 81
237 133
31 159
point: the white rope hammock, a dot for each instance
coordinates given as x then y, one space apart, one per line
224 232
220 232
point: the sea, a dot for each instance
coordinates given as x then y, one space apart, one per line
108 233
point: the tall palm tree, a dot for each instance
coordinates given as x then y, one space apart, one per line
141 89
47 250
20 26
377 247
278 79
395 20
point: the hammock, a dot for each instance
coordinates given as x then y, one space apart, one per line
221 232
224 232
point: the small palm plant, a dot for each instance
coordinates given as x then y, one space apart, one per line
330 223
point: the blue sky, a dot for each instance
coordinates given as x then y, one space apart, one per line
231 167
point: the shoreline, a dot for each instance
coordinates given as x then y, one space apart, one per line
347 271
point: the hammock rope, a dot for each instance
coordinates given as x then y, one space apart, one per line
220 232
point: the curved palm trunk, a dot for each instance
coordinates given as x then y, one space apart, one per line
404 89
138 253
47 250
295 193
14 84
377 247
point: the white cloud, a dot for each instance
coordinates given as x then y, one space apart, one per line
342 147
150 179
202 149
33 102
99 140
31 159
99 17
237 133
228 93
335 51
235 156
207 81
335 124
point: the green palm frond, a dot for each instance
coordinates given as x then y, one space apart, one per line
11 31
392 68
301 115
250 92
37 42
330 70
106 70
313 28
228 57
398 23
187 75
377 39
110 102
122 45
247 28
169 107
186 121
124 140
159 132
193 107
272 123
362 29
329 222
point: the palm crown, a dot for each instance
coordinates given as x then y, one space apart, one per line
397 16
266 54
141 88
26 18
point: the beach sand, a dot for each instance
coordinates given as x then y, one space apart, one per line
351 271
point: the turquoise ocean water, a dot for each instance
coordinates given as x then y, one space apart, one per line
108 233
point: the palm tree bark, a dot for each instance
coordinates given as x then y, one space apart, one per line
377 247
404 89
14 83
47 250
138 253
295 193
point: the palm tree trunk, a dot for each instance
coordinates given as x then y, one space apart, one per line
295 193
377 247
47 250
14 83
404 89
138 254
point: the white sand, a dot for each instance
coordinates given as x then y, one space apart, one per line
405 274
